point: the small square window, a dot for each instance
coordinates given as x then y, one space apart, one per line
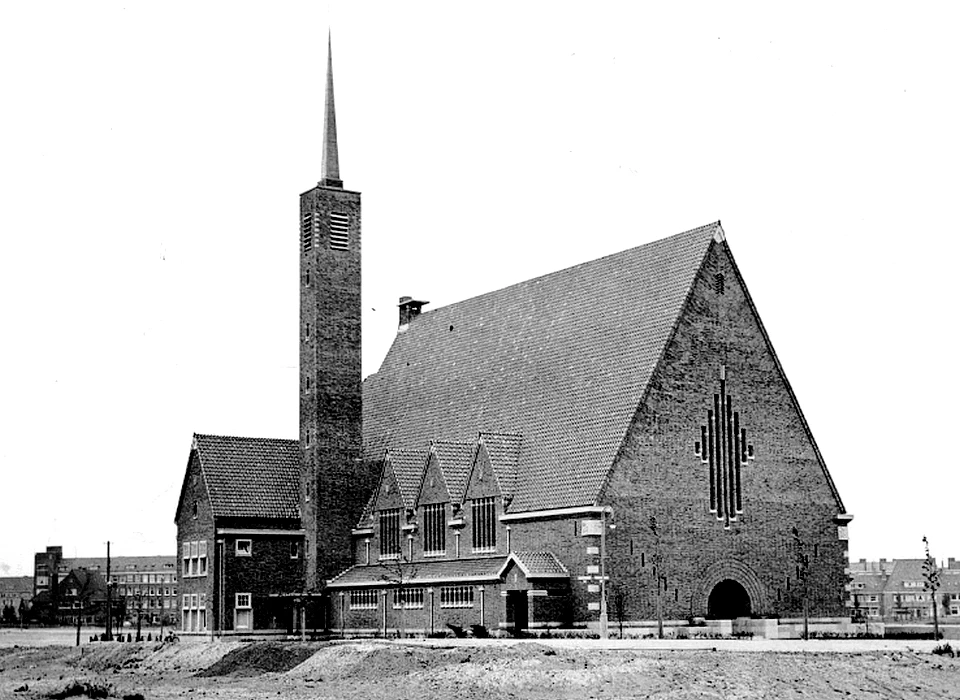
244 549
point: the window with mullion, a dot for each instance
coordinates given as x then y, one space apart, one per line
484 524
390 533
434 529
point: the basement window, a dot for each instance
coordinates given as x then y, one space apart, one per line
339 232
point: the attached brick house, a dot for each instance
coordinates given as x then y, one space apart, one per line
239 536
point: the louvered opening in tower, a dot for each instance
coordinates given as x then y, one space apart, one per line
306 231
339 232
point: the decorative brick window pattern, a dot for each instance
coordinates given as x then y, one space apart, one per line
339 232
723 447
434 530
390 533
364 600
484 524
456 597
408 599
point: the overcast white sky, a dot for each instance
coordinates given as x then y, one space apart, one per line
152 154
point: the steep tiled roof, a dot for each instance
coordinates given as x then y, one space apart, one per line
456 458
562 360
408 468
440 571
251 477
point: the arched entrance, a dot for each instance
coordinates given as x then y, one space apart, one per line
728 600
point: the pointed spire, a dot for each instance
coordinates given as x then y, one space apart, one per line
330 163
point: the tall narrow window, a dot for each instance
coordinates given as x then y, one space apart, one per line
484 524
390 533
339 231
434 530
244 611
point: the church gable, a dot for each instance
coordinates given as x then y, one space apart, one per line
388 495
719 413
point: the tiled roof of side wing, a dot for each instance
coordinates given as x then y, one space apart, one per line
408 467
251 477
420 572
562 360
456 458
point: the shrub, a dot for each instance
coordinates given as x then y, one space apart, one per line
944 650
479 631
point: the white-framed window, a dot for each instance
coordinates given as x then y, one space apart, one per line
390 533
186 560
202 558
408 599
484 512
194 555
244 548
243 611
203 612
294 550
185 616
365 599
456 597
434 530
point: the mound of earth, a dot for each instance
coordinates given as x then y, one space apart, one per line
260 657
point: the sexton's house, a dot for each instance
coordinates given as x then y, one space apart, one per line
239 534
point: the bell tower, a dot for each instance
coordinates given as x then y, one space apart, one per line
333 487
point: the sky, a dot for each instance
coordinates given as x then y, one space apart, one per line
152 155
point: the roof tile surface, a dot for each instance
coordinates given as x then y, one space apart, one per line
251 477
562 360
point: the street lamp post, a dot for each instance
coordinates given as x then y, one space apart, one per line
604 617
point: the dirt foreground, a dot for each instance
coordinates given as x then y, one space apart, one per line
372 670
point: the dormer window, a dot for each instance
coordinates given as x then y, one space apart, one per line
484 511
390 534
434 530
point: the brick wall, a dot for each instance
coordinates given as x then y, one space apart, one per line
195 529
658 473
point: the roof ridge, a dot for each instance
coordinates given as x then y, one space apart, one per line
714 225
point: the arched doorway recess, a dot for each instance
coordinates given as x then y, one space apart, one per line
728 600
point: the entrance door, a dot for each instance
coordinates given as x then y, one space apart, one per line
517 611
728 601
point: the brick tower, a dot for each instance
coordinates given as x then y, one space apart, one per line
333 487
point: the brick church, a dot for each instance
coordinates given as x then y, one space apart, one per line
614 440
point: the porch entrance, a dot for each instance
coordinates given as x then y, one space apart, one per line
517 611
728 601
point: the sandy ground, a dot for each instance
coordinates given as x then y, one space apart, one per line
468 670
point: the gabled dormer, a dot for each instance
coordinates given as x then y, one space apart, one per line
482 506
441 488
393 514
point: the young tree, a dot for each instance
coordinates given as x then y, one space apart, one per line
399 572
620 606
803 564
657 572
931 582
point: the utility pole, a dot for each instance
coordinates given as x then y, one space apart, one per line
109 636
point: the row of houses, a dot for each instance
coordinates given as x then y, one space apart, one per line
142 587
895 590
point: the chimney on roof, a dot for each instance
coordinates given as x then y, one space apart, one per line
409 309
